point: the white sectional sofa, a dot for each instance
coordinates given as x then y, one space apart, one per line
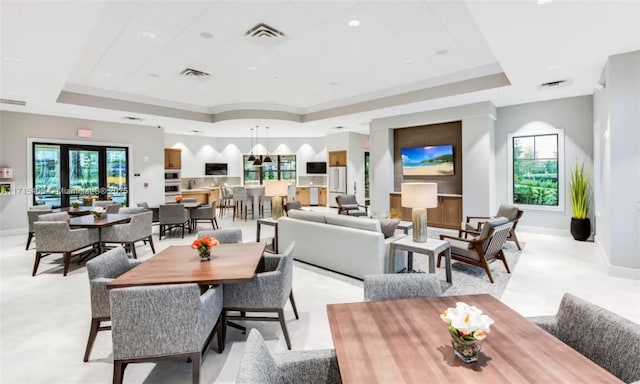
353 246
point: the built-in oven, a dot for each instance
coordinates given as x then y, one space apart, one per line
171 175
172 188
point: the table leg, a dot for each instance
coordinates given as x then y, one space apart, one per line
275 240
432 262
257 232
447 259
392 258
409 261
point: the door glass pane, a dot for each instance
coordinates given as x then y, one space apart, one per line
117 175
288 167
47 175
83 174
251 172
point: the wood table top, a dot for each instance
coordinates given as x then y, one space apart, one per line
186 205
107 219
80 211
405 341
179 264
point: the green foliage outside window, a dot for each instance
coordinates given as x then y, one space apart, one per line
535 170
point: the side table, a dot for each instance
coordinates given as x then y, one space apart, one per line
270 222
431 247
405 226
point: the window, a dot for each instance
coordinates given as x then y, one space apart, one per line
535 170
282 167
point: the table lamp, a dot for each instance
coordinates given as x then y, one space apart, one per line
276 189
419 197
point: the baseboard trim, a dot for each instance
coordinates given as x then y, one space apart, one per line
616 270
544 231
13 232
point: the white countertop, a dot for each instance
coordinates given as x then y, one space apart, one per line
439 194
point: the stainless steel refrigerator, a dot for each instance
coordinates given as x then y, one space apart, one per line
337 184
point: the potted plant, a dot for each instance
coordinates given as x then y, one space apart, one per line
580 200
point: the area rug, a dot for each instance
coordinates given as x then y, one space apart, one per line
467 279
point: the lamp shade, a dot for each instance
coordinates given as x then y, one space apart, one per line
276 188
419 195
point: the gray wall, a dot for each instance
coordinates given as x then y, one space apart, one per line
573 115
145 156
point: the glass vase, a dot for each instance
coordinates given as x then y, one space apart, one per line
466 350
205 255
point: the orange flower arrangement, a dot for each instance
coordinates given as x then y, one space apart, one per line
204 244
178 199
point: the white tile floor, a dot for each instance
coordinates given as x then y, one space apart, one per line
45 319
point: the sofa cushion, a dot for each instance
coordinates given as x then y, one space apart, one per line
353 222
307 215
388 227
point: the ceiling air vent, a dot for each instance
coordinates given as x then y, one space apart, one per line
554 84
132 118
190 72
263 30
13 102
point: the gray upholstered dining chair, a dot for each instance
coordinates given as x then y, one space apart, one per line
224 236
510 212
226 199
55 236
204 213
32 215
101 270
137 229
482 249
172 216
145 205
347 205
242 202
604 337
150 323
267 292
400 286
258 365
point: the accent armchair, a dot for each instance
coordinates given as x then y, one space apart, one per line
102 270
482 249
605 338
55 236
295 204
347 205
310 367
400 286
151 323
137 229
267 292
512 213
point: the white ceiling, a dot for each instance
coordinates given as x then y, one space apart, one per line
98 49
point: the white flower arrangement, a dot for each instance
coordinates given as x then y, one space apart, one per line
466 322
97 211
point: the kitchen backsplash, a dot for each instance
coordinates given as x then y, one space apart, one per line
202 182
312 180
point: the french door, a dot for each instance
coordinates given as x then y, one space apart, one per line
63 173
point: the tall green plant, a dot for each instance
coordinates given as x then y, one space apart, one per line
580 192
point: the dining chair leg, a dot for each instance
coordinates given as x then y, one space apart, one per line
29 240
195 367
221 330
183 230
36 263
153 249
132 245
293 305
284 328
67 261
118 371
95 323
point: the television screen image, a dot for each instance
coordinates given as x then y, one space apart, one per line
435 160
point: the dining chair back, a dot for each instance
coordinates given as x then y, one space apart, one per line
32 215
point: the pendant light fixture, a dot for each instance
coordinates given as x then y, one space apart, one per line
251 157
257 162
267 159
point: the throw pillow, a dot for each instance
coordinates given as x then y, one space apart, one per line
388 227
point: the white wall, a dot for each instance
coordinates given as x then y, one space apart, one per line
356 144
145 156
617 135
575 116
478 157
198 150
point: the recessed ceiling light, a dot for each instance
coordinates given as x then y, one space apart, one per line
275 77
196 131
334 83
148 35
110 74
543 2
206 35
553 67
354 23
314 89
442 52
338 127
11 59
150 74
408 62
253 68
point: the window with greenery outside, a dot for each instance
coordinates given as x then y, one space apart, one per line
535 170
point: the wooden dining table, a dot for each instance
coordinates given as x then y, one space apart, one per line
405 341
179 264
106 220
78 211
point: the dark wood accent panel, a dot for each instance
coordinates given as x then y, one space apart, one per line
448 213
404 341
434 134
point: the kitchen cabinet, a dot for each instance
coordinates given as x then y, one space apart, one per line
172 158
448 213
337 158
303 194
322 196
203 196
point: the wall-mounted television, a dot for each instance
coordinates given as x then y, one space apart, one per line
314 167
432 160
215 169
